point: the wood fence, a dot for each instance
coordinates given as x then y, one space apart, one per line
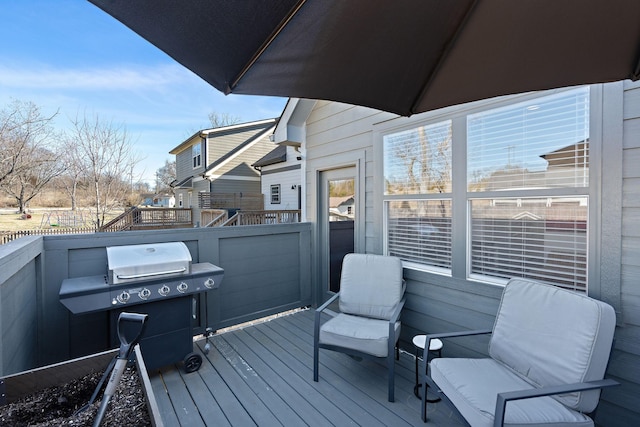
244 201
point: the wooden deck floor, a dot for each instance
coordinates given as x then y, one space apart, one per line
262 375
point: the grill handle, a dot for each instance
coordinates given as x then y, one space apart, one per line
156 273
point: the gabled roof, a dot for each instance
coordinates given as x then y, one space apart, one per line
278 155
185 183
268 123
241 147
334 202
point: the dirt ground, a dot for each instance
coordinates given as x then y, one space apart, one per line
55 406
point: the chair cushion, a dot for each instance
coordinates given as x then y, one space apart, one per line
370 285
552 336
358 333
473 385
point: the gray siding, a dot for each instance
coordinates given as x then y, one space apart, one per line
223 185
624 402
220 143
240 163
339 135
184 164
20 265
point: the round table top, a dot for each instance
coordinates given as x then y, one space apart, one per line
434 345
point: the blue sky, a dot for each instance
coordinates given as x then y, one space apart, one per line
70 55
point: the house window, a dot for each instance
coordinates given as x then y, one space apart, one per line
196 154
525 196
417 174
180 200
275 194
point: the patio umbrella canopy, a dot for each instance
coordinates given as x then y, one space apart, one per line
402 56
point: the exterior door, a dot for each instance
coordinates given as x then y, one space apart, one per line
338 196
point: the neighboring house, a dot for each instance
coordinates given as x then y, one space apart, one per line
280 170
219 161
341 208
543 185
159 200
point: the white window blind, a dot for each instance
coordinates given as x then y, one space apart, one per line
420 231
538 238
535 149
542 143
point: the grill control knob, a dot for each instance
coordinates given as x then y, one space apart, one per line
209 283
164 290
182 287
144 293
123 297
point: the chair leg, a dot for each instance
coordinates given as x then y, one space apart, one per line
391 369
316 349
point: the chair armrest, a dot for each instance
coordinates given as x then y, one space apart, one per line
505 397
397 311
459 333
328 302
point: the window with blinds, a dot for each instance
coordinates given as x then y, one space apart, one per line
420 231
543 239
526 198
538 150
417 163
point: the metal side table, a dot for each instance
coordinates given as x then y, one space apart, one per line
435 346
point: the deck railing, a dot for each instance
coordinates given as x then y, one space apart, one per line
213 217
149 218
263 217
7 236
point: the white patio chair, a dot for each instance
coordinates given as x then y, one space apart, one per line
549 351
371 298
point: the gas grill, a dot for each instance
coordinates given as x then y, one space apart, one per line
156 279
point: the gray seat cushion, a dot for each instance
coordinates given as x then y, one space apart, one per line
552 336
472 385
371 285
358 333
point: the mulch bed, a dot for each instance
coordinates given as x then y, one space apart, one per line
56 405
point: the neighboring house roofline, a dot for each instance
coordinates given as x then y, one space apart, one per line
278 155
185 183
291 128
203 133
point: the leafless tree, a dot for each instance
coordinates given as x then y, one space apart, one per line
74 170
105 151
165 176
28 159
222 119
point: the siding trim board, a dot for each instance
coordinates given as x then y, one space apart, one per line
285 169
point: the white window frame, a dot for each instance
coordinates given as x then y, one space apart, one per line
461 198
277 194
196 157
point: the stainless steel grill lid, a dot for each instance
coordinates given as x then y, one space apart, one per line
144 262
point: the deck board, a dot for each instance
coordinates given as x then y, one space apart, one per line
263 375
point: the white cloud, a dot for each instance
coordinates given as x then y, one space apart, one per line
104 79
